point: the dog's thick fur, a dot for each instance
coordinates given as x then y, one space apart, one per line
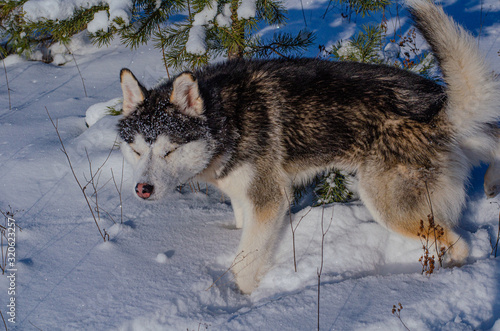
253 128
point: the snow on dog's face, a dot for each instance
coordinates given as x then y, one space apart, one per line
164 133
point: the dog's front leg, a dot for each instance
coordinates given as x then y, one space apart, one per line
264 208
258 240
239 212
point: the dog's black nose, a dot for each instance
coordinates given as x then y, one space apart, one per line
144 190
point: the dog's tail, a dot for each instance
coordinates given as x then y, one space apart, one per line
472 89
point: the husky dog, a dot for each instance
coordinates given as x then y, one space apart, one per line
253 128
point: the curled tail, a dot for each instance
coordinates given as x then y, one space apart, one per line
472 89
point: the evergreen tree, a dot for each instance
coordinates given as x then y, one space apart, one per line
211 28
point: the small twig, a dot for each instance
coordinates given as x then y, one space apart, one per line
35 326
397 312
7 81
294 228
303 14
320 270
63 149
103 210
3 319
93 183
163 51
11 214
119 190
99 169
77 68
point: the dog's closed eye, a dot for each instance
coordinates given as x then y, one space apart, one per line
136 152
169 152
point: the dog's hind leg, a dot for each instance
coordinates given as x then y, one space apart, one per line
401 198
492 175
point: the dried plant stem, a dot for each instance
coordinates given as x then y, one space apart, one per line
320 269
36 327
119 190
432 230
397 312
77 68
163 52
7 81
82 188
294 228
3 319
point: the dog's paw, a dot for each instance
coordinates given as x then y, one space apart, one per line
246 272
457 253
246 284
492 180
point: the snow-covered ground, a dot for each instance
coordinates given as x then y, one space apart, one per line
164 267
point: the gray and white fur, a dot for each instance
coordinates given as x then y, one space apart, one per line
254 128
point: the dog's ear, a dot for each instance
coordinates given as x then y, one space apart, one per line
133 91
186 95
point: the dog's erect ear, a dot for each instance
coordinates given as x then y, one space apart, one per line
133 91
186 95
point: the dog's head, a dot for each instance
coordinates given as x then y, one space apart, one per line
164 133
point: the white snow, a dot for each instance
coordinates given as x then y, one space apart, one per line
196 43
53 9
224 18
391 52
206 15
63 9
99 22
97 111
247 9
157 271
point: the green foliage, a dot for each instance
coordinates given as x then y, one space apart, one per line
365 46
328 187
63 30
332 187
23 36
229 36
368 46
226 34
11 30
282 44
364 7
114 110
